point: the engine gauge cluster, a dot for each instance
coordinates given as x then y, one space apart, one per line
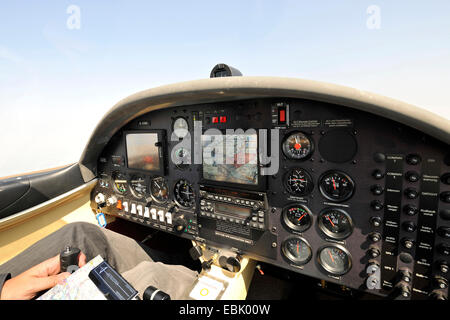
297 217
297 250
335 223
334 259
336 186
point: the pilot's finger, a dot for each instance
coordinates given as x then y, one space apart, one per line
39 284
81 259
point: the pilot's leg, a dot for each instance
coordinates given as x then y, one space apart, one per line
121 252
175 280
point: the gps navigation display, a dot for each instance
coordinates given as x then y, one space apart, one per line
142 152
231 158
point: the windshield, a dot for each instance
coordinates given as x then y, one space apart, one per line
63 64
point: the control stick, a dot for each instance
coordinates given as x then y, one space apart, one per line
68 259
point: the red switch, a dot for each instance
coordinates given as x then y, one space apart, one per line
119 205
215 119
282 115
223 119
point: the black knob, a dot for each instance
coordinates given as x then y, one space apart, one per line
206 265
375 236
376 205
152 293
440 282
410 210
405 275
444 249
376 189
403 289
375 221
445 178
444 232
412 176
408 243
377 174
231 264
443 266
445 214
180 223
438 295
413 159
411 193
373 252
445 196
68 259
409 226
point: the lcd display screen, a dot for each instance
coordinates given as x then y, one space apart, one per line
231 158
142 152
234 210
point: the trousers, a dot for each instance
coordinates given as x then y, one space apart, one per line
124 254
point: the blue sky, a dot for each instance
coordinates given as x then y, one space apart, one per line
56 83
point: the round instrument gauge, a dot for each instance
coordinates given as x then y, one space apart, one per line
299 182
120 183
180 127
159 189
296 250
184 193
334 259
336 186
335 223
297 217
138 187
181 158
297 146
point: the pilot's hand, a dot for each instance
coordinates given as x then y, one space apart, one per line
44 276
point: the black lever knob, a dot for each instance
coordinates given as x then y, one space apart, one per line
68 259
152 293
